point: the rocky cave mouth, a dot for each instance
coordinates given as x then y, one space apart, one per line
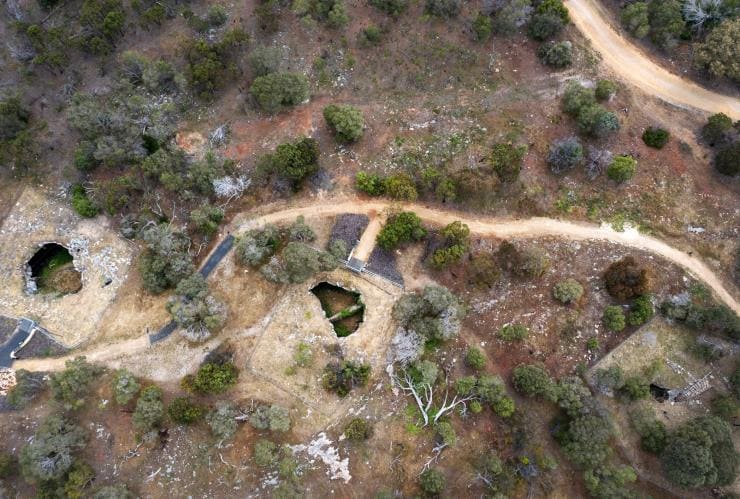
343 308
51 270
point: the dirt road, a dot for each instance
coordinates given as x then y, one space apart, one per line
627 60
487 226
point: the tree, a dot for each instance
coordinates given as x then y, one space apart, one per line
294 161
624 279
666 22
565 154
635 19
369 183
391 7
720 52
275 92
399 229
432 482
71 386
184 411
556 54
264 60
213 378
641 310
608 481
475 358
717 129
424 372
727 160
299 231
544 26
605 89
222 421
197 312
209 64
456 240
79 476
622 168
434 314
596 121
577 97
585 441
613 318
655 137
149 412
653 434
206 219
49 455
165 261
400 186
533 381
27 386
636 388
14 118
513 332
482 27
358 429
302 261
442 8
81 203
342 377
511 16
491 390
274 418
125 386
532 263
609 380
345 121
567 291
506 160
257 245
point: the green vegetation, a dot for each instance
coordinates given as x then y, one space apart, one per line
475 358
506 160
184 411
206 219
197 312
212 378
613 318
345 121
446 9
293 161
222 421
635 19
565 154
432 482
401 228
482 27
125 386
625 279
655 137
70 386
81 203
391 7
719 53
434 314
358 429
456 241
209 65
605 90
277 91
50 454
274 418
149 413
370 36
534 381
27 386
641 310
513 332
622 168
342 377
567 291
556 54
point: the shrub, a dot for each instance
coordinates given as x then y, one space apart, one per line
277 91
70 387
214 378
342 377
445 433
81 203
727 160
596 121
565 154
533 381
641 310
482 27
401 228
166 261
433 315
432 481
7 465
622 168
610 379
264 60
27 386
475 358
613 318
206 219
293 161
636 388
719 53
442 8
149 412
624 279
605 89
222 421
265 453
184 411
544 26
345 121
666 22
125 386
734 382
725 407
577 97
274 418
369 183
506 160
400 186
653 434
209 65
513 332
257 246
358 429
567 291
655 137
391 7
370 36
717 129
194 310
483 270
556 54
50 454
424 372
635 19
491 390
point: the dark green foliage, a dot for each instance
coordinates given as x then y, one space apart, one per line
103 23
567 291
506 160
300 231
596 121
78 478
401 228
544 26
577 97
513 332
300 262
482 27
214 378
432 482
294 161
342 377
206 219
125 386
625 279
653 434
369 183
456 240
8 465
512 15
49 455
165 261
391 7
215 17
636 388
222 421
718 54
27 386
370 36
529 262
727 160
71 386
725 407
400 186
607 481
434 314
210 65
564 155
257 245
277 91
14 118
17 144
81 203
274 418
184 411
358 429
734 382
613 318
655 137
622 168
194 310
345 121
717 129
118 491
610 379
445 433
556 54
635 19
446 9
475 358
265 453
641 310
149 412
492 390
264 60
585 441
666 22
534 381
605 89
554 7
484 270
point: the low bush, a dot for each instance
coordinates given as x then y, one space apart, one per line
655 137
622 168
184 411
605 89
641 310
482 27
213 378
370 36
442 8
401 228
432 482
81 203
391 7
149 412
358 429
567 291
475 358
613 318
556 54
345 121
342 377
275 92
727 159
565 154
513 332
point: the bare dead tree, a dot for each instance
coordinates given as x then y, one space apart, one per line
423 395
436 452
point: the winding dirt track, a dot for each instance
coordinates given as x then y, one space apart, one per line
485 226
634 66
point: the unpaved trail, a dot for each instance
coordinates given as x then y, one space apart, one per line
367 241
627 60
482 225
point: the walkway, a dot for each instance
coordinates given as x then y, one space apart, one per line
634 66
24 328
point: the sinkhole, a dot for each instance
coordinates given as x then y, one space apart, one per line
343 308
51 270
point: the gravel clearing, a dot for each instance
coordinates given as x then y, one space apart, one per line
383 263
348 227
